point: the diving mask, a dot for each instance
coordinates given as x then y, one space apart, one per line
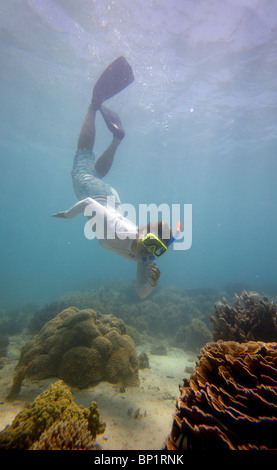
154 244
158 248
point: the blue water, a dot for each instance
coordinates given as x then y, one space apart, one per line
200 124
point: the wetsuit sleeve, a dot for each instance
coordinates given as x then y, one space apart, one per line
143 281
80 207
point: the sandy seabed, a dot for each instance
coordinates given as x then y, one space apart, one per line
136 419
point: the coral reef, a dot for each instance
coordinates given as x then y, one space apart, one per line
53 406
80 347
193 336
168 313
230 400
179 315
13 320
45 314
162 313
252 318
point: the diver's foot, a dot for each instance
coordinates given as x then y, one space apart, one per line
113 122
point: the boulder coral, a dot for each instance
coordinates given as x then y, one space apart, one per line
230 400
55 405
80 347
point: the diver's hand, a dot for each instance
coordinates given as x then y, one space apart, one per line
61 215
154 274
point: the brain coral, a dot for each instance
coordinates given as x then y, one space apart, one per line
80 347
230 400
52 406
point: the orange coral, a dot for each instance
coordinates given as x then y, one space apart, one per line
230 400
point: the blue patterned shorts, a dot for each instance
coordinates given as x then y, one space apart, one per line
87 182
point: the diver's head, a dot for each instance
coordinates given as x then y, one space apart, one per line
152 241
160 230
157 239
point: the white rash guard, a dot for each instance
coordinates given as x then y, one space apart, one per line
124 233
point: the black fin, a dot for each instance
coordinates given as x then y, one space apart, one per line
117 76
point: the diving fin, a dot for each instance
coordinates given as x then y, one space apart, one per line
117 76
112 121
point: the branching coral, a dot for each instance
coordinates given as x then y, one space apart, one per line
253 317
230 400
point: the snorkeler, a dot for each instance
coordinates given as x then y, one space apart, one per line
135 243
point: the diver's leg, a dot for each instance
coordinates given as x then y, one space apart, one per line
104 162
113 123
87 137
87 133
117 76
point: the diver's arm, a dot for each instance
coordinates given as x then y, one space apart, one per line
80 207
147 278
